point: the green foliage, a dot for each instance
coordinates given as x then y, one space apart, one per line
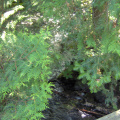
68 72
99 54
24 74
89 36
89 25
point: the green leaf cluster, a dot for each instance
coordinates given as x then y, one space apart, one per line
26 68
98 51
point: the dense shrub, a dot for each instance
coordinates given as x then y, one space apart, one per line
24 72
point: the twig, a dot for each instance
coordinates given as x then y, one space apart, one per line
91 112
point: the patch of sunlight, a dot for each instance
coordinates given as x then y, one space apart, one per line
7 14
112 18
8 38
3 35
34 3
11 24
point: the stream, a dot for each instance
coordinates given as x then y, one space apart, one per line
72 100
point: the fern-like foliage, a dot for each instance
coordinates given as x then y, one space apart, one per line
99 52
24 73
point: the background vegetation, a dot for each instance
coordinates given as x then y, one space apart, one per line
39 37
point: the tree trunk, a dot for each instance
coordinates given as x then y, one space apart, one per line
100 17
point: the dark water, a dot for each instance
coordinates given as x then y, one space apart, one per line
72 102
